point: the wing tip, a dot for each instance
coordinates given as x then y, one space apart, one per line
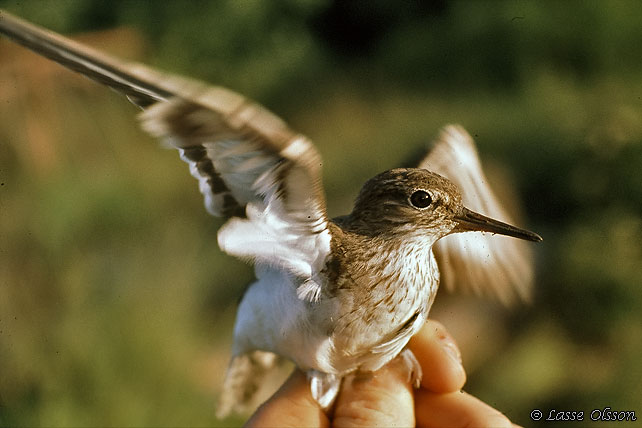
455 134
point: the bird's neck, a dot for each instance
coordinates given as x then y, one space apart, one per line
383 262
383 284
405 262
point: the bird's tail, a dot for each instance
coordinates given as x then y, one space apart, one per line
242 381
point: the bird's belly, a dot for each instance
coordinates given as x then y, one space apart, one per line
348 331
271 317
374 333
373 327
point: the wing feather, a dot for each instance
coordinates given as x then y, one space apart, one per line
248 162
486 264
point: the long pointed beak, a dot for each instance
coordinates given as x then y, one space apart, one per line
471 221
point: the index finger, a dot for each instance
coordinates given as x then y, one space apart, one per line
381 398
439 358
291 406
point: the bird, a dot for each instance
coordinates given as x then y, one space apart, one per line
333 295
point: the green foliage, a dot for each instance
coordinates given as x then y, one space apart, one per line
116 305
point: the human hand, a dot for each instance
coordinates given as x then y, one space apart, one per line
386 398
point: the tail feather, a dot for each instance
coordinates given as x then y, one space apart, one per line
243 380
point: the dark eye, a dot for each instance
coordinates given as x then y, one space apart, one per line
420 199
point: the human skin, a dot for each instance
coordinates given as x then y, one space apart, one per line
386 398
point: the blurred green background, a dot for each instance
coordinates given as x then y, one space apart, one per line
116 306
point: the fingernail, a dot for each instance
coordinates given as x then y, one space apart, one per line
451 348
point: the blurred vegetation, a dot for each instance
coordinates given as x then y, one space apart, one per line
116 306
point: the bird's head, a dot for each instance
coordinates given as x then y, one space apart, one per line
416 201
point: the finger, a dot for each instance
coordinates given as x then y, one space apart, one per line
291 406
382 398
439 358
456 410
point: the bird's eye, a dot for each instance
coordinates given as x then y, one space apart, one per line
420 199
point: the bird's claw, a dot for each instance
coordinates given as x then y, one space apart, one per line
415 373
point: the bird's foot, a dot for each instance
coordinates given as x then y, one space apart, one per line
412 365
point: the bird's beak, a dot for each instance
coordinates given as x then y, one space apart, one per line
468 221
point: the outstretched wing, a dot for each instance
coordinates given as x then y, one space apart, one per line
487 264
247 161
